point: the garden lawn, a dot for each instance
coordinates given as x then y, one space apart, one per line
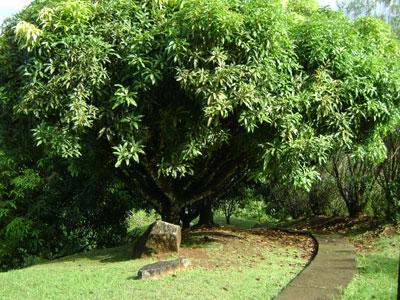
377 270
230 265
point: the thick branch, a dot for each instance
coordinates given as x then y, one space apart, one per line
220 179
138 182
159 181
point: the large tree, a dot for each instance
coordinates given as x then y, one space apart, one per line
188 95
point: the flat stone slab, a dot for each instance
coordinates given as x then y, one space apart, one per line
163 267
328 274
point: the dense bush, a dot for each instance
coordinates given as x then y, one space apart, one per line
47 213
19 234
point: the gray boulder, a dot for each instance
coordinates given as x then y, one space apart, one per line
160 237
163 267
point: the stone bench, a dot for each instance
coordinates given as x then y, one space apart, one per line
162 267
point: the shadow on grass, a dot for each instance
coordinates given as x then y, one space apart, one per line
109 255
378 264
127 252
204 238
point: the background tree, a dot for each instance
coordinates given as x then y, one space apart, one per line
389 176
387 10
229 206
386 172
354 179
185 95
230 203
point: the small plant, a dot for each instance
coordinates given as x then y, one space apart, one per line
138 221
255 209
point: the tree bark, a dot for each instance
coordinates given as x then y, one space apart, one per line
352 191
355 207
188 214
171 214
206 213
185 222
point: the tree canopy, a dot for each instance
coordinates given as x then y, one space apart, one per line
189 97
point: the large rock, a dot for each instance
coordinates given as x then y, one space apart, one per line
160 237
163 267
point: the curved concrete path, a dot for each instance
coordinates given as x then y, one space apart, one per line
331 270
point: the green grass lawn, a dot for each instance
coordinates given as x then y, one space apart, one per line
111 274
377 271
236 221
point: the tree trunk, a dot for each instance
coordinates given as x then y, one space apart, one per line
185 222
171 214
228 219
355 208
390 214
169 196
188 214
206 213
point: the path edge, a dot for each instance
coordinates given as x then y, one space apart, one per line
314 253
293 232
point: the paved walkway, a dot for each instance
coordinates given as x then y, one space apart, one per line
331 270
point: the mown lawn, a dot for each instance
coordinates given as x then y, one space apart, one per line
377 271
225 272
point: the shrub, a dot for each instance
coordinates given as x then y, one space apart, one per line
46 213
138 220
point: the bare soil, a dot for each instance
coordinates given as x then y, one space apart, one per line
221 247
361 231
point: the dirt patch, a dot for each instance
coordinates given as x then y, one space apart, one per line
223 247
366 242
390 231
323 224
361 231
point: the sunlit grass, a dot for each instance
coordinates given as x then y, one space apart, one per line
236 221
111 274
377 272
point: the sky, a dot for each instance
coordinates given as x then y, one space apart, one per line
331 3
10 7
